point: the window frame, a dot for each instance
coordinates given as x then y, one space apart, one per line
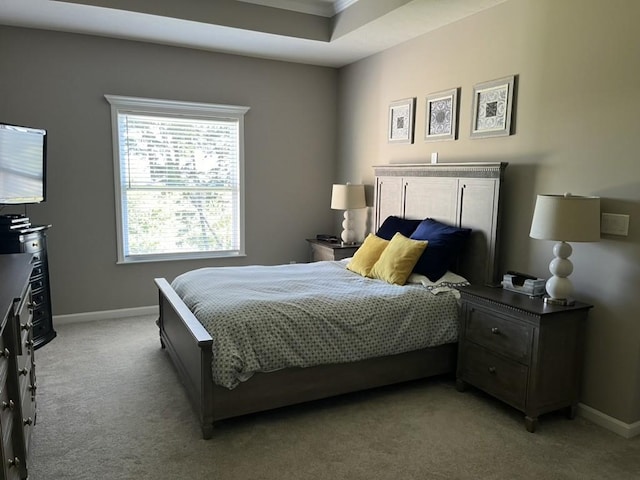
173 108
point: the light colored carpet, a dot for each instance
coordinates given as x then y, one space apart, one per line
110 406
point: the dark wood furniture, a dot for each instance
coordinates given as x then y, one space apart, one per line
33 240
17 368
465 195
321 250
521 350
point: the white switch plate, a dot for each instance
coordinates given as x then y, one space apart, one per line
434 157
614 224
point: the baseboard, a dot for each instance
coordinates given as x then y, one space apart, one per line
625 430
105 315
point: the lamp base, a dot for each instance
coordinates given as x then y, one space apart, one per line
559 287
348 235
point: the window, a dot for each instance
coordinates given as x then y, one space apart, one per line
178 178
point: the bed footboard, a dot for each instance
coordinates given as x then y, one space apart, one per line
189 346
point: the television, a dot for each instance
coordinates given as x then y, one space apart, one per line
23 162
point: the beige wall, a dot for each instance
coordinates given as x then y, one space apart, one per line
577 130
58 81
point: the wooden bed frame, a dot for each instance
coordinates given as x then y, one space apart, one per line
465 195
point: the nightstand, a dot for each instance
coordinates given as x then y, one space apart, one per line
330 251
521 350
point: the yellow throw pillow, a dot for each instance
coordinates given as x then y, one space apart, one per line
367 255
397 260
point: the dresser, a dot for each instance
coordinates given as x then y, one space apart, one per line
321 250
17 367
34 241
521 350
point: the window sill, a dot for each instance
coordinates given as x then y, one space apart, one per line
178 257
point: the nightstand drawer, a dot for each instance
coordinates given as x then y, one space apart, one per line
495 375
320 254
326 251
500 334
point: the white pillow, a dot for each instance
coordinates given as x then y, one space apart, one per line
449 278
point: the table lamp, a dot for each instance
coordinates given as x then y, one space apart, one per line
564 218
347 197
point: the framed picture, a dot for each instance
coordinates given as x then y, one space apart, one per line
492 107
401 119
442 116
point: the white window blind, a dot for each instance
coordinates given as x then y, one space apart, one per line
179 179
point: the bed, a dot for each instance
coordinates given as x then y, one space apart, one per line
465 195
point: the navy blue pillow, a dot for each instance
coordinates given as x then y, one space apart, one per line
445 242
393 224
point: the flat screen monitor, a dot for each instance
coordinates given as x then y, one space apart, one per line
23 158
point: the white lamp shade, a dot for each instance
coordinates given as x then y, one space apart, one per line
568 218
347 197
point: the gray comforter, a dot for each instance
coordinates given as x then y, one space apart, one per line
265 318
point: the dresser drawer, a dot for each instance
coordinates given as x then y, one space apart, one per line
40 314
7 407
38 283
24 362
39 298
4 371
501 334
4 355
40 327
38 270
495 375
24 309
13 465
28 414
33 243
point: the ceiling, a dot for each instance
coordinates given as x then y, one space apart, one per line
324 8
319 32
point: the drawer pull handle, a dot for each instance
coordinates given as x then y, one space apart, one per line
8 405
26 326
14 462
495 331
5 353
492 370
28 421
23 371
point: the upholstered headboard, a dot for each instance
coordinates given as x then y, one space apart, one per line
459 194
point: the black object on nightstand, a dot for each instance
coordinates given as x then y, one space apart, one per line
321 250
521 350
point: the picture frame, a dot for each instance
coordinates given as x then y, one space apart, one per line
401 120
493 107
441 115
